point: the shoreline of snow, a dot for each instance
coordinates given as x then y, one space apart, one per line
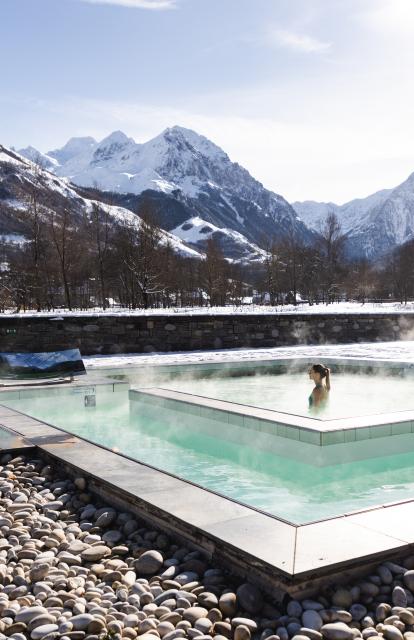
252 310
401 351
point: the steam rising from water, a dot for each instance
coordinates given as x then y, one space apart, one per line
290 489
355 391
293 490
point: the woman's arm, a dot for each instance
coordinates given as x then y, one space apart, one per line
328 379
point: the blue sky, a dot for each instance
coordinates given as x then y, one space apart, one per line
313 97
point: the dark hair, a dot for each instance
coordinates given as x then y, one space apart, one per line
324 372
321 369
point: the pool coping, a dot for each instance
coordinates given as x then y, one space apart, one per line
294 427
273 552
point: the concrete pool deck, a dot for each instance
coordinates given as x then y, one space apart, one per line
275 553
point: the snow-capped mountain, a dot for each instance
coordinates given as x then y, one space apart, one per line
186 168
20 178
373 225
197 192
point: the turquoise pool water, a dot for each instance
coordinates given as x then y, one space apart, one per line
292 490
352 394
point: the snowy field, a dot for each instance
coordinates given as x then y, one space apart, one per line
340 307
392 351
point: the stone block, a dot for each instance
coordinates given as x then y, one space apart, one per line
90 328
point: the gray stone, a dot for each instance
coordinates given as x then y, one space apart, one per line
94 554
311 633
39 571
408 578
42 631
358 611
242 632
312 604
228 604
204 625
194 613
207 599
342 616
112 536
106 518
385 574
342 598
80 483
81 621
391 633
312 620
407 616
337 631
246 622
294 609
382 611
186 577
249 598
28 613
399 597
148 563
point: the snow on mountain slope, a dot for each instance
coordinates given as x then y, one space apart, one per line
74 147
192 170
373 225
42 159
20 178
387 224
314 213
197 231
349 214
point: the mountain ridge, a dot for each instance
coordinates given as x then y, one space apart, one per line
373 226
193 171
192 181
21 178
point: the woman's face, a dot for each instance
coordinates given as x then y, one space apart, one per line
314 375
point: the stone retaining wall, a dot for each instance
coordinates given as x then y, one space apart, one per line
106 334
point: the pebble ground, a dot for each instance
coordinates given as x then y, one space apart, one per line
73 568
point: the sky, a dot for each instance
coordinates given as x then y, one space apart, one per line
314 97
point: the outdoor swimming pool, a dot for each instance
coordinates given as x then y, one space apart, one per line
287 388
297 490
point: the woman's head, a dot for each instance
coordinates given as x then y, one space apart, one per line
318 372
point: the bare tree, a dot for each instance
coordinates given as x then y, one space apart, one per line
273 268
213 273
100 227
62 237
332 246
138 250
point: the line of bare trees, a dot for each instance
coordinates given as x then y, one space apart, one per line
85 260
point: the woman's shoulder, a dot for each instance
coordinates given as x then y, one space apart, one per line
319 391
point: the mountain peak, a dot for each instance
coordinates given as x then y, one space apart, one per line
36 156
199 142
177 129
72 148
116 137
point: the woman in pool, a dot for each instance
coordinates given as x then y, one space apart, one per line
320 393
